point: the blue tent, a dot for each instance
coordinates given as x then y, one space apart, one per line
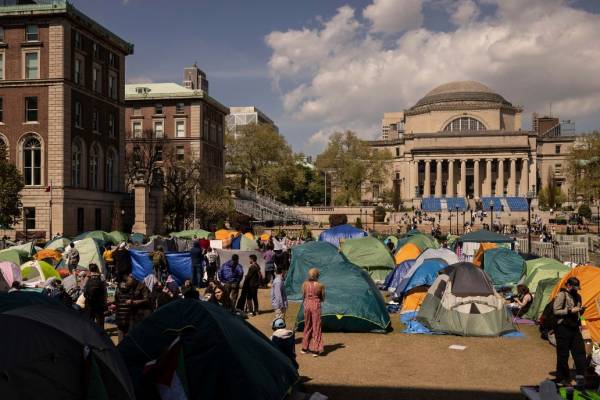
236 242
341 232
425 275
179 264
395 277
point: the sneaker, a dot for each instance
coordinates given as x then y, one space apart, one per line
303 351
316 355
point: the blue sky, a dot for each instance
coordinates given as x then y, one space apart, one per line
227 39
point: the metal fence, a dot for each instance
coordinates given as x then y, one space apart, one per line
566 250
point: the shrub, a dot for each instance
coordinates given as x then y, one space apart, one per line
585 211
338 219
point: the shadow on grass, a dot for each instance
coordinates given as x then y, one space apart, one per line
339 392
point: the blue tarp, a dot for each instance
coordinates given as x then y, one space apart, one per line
341 232
180 266
395 276
141 264
413 326
425 275
236 242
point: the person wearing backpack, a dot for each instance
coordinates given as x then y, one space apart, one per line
95 293
567 311
159 262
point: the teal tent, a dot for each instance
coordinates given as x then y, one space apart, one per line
370 254
541 298
100 236
352 301
484 236
504 267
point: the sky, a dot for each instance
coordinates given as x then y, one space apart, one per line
320 66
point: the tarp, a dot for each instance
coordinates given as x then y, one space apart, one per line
484 236
421 240
370 254
483 247
395 277
141 264
59 243
34 272
14 256
225 357
589 280
10 272
180 266
341 232
541 297
168 244
504 267
409 251
89 252
537 271
191 233
235 243
352 301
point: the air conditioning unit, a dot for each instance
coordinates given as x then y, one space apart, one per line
142 90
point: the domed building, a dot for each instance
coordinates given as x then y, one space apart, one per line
461 144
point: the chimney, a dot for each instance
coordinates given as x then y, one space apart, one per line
195 79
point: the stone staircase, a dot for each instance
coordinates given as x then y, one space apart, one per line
263 209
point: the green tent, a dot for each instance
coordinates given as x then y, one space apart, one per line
542 268
58 243
541 298
189 234
101 236
224 356
28 248
484 236
247 244
352 301
370 254
504 267
118 237
14 256
422 240
38 271
89 252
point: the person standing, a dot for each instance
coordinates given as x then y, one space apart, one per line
122 260
278 295
269 257
567 310
231 274
313 293
95 293
72 257
250 288
197 263
109 261
159 263
212 258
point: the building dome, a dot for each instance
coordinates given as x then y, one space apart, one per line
460 92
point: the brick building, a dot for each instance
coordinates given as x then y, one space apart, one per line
62 115
180 120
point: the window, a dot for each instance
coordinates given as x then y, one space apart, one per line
95 121
111 125
180 153
29 217
557 149
1 110
77 40
32 33
95 49
32 161
137 129
1 65
31 65
213 132
179 108
397 151
76 165
159 129
78 117
77 68
112 87
464 124
80 220
94 167
98 219
111 59
31 109
397 176
1 34
96 79
110 171
158 109
179 129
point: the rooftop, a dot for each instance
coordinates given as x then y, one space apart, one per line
166 90
460 92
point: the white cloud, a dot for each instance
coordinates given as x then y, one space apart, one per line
391 16
341 75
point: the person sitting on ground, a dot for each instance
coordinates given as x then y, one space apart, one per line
95 293
278 296
221 297
209 291
521 302
284 339
189 291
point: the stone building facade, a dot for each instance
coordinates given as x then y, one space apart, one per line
464 140
61 95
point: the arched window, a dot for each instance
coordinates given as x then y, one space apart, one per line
76 165
32 161
94 167
110 170
464 124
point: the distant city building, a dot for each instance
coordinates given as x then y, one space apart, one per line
62 86
392 125
240 117
183 120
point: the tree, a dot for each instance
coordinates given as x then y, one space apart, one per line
181 183
297 183
144 160
352 163
585 211
11 184
255 154
584 166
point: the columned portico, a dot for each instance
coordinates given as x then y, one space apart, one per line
476 179
438 178
427 184
488 177
451 184
524 177
500 180
463 178
512 181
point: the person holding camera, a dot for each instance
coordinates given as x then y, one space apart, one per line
567 310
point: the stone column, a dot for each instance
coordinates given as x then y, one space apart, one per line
427 184
463 178
142 209
500 180
438 178
524 187
450 185
488 177
476 181
512 181
415 171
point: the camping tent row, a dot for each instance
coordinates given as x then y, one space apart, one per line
207 344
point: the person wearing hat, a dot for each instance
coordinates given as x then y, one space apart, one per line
284 339
567 310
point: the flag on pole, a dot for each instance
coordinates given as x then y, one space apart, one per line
168 373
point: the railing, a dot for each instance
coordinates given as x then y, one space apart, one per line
262 208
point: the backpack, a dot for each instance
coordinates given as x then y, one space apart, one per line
158 259
548 320
94 291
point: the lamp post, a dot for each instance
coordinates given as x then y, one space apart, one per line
450 219
26 213
457 231
491 216
325 204
195 200
529 198
463 214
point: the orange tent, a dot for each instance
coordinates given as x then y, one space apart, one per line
223 234
589 280
413 299
409 251
265 237
483 247
249 235
44 254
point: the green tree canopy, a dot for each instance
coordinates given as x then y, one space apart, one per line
11 184
352 162
584 166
